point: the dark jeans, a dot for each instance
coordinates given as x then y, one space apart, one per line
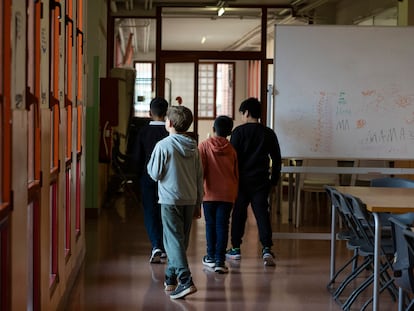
152 211
217 217
261 210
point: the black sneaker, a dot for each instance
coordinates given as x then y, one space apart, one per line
268 257
208 261
155 256
183 290
170 283
221 268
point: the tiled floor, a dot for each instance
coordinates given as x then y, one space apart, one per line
116 274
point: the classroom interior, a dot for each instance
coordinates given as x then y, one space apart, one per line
71 228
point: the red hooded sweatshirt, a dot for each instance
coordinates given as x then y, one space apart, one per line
220 169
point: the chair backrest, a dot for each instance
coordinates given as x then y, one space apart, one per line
365 179
336 202
361 220
392 182
320 179
345 211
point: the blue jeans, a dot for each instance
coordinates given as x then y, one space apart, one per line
177 220
217 216
152 211
258 199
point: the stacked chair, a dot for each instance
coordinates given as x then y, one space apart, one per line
403 264
356 275
409 238
345 234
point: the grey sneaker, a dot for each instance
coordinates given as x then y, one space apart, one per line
184 289
155 256
208 261
268 257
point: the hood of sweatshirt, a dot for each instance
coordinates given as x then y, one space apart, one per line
218 144
185 145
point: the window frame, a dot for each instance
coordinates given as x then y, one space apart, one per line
214 108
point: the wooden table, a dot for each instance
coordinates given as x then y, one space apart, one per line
381 200
344 170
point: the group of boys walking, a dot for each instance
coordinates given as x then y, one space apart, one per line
223 176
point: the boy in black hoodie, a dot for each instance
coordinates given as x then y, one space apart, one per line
147 137
255 145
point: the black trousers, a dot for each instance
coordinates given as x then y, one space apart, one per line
258 198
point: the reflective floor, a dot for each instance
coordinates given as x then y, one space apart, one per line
116 274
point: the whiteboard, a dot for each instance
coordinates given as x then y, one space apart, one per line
344 91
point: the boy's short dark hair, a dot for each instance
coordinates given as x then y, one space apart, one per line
181 117
158 107
223 126
253 106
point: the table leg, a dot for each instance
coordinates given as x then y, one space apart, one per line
400 299
297 200
333 241
377 254
290 195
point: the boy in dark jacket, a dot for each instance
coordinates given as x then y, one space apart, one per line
147 137
256 145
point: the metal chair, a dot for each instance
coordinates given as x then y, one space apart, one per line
403 263
345 234
365 227
392 182
409 238
124 176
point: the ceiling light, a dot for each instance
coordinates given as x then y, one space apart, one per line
220 11
203 40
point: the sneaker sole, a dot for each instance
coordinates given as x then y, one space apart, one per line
209 264
188 291
234 257
169 288
221 270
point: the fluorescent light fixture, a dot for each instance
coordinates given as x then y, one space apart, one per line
203 40
221 11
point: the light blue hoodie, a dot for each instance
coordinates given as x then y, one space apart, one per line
175 163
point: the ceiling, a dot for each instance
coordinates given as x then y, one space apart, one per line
195 25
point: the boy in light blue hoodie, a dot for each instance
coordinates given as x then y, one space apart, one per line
175 164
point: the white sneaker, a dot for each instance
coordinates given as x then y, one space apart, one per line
155 256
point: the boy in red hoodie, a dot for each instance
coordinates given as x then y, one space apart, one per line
221 178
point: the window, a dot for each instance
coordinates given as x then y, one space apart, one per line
144 88
215 90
